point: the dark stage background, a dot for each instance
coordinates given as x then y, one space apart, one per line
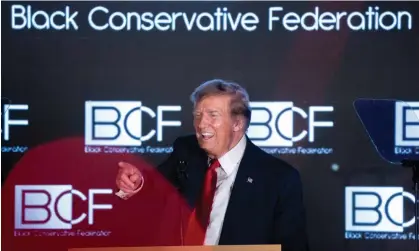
55 72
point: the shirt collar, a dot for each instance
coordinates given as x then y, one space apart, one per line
232 158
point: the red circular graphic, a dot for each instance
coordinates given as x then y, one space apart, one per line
152 217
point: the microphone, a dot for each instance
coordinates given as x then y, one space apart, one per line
181 173
182 176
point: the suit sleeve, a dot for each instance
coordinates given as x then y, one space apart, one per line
290 219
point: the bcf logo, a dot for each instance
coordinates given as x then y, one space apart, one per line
51 206
376 209
272 123
119 123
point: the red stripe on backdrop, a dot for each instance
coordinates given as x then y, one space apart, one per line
312 61
314 57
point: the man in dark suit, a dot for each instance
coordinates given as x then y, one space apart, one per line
241 194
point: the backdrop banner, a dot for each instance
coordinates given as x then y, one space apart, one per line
86 85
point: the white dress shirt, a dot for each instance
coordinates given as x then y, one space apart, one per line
226 175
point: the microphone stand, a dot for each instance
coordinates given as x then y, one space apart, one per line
181 176
414 164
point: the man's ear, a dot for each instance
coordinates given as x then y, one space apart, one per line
238 124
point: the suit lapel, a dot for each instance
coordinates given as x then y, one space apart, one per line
241 193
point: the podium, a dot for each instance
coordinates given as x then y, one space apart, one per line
187 248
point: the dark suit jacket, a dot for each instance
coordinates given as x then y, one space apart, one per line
268 210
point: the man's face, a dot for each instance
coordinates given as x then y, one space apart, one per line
215 128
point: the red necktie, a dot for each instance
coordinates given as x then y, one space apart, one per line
199 219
